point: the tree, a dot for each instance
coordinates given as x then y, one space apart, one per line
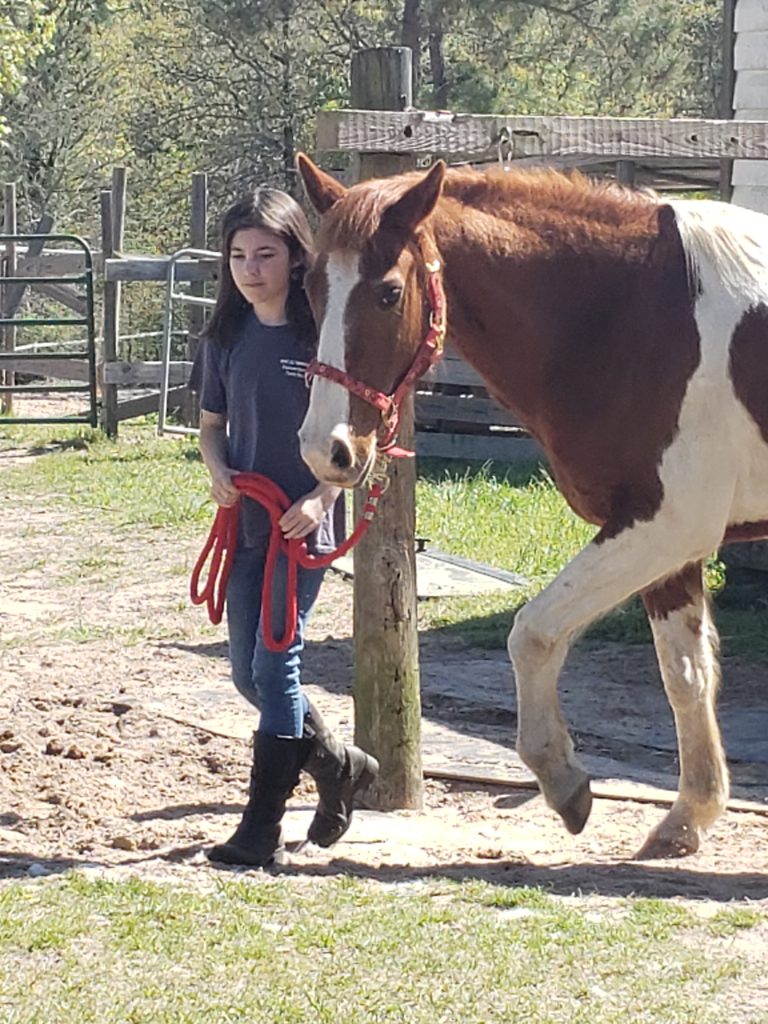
232 86
25 30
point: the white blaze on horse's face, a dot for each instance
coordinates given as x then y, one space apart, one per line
326 443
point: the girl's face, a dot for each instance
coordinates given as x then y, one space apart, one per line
260 264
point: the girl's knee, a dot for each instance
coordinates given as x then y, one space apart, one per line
247 687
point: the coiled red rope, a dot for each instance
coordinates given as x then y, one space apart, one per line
222 541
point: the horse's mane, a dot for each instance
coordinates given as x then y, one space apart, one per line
499 193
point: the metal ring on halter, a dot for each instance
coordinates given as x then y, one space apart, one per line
380 471
390 416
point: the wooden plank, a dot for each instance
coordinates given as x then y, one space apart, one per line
55 369
751 15
751 51
155 268
198 239
461 409
452 369
145 374
479 447
63 294
146 404
111 315
479 135
55 262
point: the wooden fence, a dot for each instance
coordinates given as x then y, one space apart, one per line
126 388
455 417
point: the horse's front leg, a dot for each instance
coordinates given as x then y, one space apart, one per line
603 575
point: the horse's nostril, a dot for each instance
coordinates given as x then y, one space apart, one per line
341 456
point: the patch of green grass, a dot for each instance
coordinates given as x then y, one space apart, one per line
508 516
136 480
264 950
735 919
79 632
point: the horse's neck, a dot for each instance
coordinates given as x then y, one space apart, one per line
517 292
492 311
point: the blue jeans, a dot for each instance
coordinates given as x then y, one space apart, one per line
269 680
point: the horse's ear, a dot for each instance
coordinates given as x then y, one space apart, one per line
322 190
417 203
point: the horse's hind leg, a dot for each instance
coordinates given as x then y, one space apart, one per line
686 645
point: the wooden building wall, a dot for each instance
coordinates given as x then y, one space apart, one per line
750 97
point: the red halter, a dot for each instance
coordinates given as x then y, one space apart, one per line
430 350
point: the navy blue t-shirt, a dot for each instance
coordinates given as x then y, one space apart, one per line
258 382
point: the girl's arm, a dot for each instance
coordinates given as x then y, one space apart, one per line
213 448
306 514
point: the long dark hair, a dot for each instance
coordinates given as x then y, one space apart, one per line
280 214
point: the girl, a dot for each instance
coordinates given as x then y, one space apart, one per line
253 398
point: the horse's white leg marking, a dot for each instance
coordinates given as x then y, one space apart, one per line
686 645
687 528
327 418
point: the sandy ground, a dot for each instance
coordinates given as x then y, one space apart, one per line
124 748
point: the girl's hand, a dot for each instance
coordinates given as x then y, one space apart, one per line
223 491
304 516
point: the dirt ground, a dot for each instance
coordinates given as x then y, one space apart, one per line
123 747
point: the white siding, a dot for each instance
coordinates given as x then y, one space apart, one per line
750 51
750 177
750 91
751 16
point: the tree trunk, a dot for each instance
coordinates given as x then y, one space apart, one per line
437 58
411 37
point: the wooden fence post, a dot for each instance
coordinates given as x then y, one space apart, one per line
386 688
198 239
625 172
10 227
112 231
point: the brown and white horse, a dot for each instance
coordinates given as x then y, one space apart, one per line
630 336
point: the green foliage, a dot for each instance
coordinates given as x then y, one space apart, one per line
26 28
231 87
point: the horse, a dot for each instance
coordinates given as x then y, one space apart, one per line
629 334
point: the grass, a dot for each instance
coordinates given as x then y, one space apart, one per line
266 950
508 516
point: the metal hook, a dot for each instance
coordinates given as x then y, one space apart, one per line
505 148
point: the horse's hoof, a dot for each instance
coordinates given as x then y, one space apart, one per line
576 811
660 846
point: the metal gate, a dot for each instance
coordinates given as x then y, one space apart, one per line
172 296
35 362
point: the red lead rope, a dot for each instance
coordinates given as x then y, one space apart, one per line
222 541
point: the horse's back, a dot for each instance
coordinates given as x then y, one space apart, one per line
726 403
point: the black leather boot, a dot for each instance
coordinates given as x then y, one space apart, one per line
339 773
257 840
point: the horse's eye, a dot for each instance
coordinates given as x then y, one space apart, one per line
389 295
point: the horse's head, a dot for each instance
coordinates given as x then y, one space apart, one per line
370 294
